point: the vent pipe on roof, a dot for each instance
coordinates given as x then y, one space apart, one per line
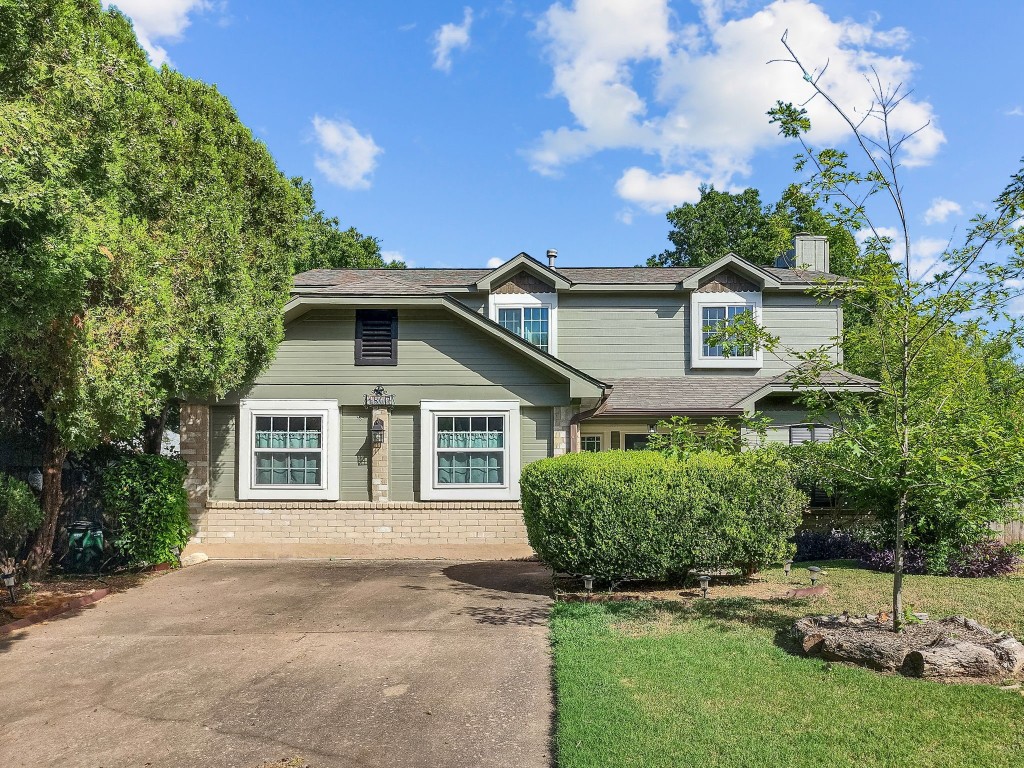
552 255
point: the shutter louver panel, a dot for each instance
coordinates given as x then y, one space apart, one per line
800 435
376 337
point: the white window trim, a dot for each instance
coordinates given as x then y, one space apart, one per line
523 300
330 475
698 301
430 490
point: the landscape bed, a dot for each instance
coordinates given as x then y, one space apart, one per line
657 682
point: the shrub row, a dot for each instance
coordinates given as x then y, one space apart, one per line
642 515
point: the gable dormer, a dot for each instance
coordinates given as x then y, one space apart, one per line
523 299
721 293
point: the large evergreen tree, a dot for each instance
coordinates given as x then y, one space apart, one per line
146 237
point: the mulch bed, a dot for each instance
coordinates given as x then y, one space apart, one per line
39 600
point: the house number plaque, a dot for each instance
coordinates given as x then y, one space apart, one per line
379 399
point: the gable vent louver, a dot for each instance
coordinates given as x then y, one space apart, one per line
376 337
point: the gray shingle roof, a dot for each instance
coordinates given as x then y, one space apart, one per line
371 281
704 394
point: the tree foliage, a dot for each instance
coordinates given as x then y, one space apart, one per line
323 244
938 451
723 222
147 237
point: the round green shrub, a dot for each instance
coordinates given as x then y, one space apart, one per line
20 514
643 515
146 505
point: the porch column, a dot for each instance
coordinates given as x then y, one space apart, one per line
379 463
561 416
194 448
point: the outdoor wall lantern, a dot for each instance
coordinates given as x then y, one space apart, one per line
705 583
816 573
8 579
588 583
652 429
378 432
787 567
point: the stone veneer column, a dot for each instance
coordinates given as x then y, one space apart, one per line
379 463
561 416
195 450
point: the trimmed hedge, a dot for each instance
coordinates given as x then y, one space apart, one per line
642 515
146 504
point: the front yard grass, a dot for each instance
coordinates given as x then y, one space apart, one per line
710 682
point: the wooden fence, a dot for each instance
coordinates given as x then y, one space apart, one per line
1010 533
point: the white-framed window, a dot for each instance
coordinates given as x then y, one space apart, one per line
590 443
809 433
469 450
289 450
534 317
710 312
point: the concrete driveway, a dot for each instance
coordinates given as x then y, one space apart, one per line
239 663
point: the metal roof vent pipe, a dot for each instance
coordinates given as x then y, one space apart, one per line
552 255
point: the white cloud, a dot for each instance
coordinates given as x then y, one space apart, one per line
1017 111
451 37
696 95
395 256
347 158
658 193
926 253
940 210
159 20
494 262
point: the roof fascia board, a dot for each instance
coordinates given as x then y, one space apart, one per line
740 265
773 389
517 262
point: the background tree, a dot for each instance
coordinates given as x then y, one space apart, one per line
722 222
930 444
323 244
146 236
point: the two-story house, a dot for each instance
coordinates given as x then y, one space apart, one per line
402 404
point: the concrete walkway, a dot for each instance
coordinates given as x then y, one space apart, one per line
342 663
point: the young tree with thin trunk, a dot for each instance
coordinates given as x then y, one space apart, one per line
929 440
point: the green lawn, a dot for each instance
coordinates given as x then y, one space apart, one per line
709 683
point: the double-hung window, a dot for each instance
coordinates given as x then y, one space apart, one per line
289 449
716 319
532 323
469 450
713 314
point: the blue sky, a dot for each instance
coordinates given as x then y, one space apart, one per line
460 133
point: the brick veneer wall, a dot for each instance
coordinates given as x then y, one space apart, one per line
361 523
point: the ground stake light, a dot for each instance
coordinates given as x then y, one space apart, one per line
588 584
787 567
705 584
816 573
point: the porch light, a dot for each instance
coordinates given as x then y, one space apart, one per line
816 574
588 583
378 432
8 579
787 567
652 429
705 583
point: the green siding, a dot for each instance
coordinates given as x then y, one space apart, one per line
784 413
440 357
801 324
536 434
223 452
404 446
355 454
625 335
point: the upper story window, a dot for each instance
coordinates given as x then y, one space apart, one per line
532 323
376 337
711 313
715 319
531 316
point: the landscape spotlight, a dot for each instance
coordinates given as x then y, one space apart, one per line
816 573
705 583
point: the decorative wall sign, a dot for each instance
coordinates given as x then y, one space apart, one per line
380 398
